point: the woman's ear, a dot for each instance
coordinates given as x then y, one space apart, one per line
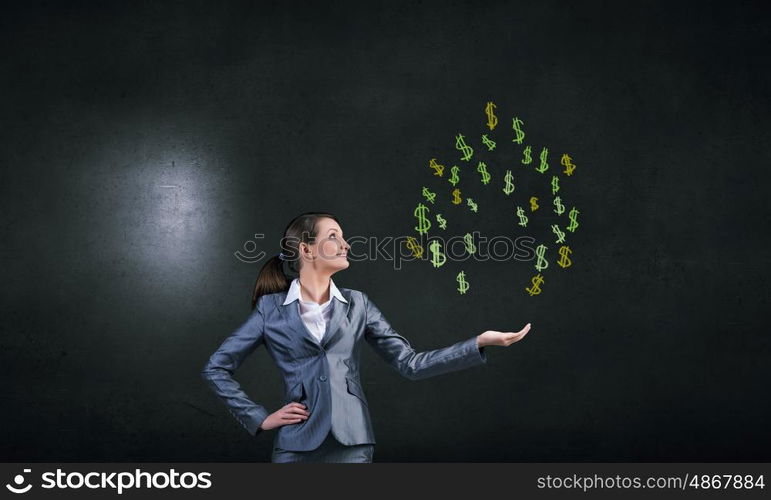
305 249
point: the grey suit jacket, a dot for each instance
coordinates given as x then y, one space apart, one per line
323 375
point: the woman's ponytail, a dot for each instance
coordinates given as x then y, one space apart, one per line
270 280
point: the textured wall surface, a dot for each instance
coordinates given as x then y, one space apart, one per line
144 144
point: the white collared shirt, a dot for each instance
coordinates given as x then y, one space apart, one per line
315 316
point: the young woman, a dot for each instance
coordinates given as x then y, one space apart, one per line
313 330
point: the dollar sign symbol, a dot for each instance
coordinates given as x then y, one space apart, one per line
560 235
536 288
533 203
438 169
414 247
471 204
573 220
508 186
488 142
441 221
428 194
567 161
438 258
522 217
460 145
516 125
543 167
564 259
463 285
541 263
482 169
454 171
492 120
555 184
526 158
470 247
559 208
456 196
423 222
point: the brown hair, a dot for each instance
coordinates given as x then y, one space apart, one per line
276 275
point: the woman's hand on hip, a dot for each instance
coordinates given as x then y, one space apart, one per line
292 413
505 339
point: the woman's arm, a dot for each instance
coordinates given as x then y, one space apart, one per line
218 372
398 352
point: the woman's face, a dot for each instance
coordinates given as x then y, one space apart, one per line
330 249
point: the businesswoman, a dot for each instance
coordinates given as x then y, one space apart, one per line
313 330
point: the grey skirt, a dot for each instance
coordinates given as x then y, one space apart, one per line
330 451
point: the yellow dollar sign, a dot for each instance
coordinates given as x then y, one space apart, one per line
567 162
414 247
438 169
564 259
536 288
492 120
456 199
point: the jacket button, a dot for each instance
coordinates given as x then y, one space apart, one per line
323 378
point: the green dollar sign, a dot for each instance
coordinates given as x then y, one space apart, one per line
438 258
522 216
470 247
442 222
543 167
526 158
558 232
541 264
454 171
559 208
555 184
460 145
463 285
423 223
573 220
488 142
428 194
516 126
482 169
508 187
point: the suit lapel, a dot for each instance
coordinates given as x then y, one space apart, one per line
339 319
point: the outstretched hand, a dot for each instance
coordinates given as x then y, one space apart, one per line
505 339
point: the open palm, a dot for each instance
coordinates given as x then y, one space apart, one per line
505 339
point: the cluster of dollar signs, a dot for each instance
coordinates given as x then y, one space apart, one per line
423 213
